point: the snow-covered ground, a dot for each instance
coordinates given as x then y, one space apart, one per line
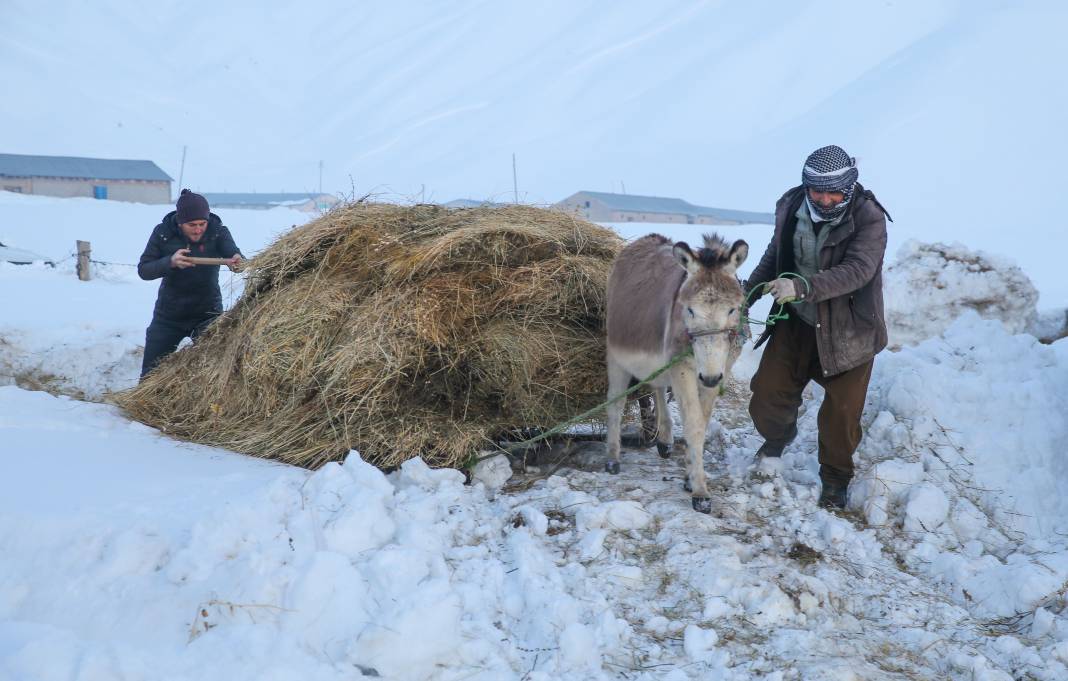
127 555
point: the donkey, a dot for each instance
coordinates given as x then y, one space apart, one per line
662 300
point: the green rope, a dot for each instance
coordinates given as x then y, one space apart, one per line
584 415
774 317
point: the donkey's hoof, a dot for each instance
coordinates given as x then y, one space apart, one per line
612 467
686 484
702 504
664 450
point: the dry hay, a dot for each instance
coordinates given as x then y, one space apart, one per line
399 332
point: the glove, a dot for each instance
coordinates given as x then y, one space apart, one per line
784 290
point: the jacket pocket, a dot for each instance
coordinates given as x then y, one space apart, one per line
860 315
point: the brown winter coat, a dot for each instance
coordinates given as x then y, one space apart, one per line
848 290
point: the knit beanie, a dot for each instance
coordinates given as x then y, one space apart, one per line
191 207
830 169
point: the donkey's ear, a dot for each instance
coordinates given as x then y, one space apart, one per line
685 257
739 252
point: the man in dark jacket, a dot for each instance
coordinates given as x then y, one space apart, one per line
832 232
189 296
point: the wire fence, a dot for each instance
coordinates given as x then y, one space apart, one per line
232 289
105 262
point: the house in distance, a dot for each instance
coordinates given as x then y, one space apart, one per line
607 207
99 178
309 202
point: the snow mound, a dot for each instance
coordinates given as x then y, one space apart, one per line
964 463
930 284
1050 325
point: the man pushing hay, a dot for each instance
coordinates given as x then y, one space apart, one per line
399 332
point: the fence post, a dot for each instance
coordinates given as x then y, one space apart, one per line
83 260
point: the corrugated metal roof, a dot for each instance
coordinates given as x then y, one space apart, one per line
736 215
259 199
658 204
18 165
636 202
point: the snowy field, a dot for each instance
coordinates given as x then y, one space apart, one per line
130 556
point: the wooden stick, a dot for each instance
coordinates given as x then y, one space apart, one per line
207 261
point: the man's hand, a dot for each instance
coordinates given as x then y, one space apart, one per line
180 259
783 290
234 263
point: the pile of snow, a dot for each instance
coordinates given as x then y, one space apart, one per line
963 482
154 559
930 284
965 457
1050 325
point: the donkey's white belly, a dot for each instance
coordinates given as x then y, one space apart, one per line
641 364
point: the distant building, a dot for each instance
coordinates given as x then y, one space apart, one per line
100 178
606 207
472 203
307 201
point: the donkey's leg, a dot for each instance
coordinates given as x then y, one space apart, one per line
618 378
664 437
709 396
684 385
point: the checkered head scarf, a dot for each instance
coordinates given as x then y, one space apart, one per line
830 169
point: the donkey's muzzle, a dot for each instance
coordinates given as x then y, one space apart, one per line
710 381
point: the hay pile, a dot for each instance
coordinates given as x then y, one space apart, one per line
399 332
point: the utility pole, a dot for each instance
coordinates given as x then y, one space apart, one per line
320 177
181 171
515 179
623 186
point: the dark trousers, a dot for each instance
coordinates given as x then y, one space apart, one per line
789 362
163 336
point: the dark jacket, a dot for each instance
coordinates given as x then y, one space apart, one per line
193 292
848 289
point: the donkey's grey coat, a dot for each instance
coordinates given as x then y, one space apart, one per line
662 298
644 271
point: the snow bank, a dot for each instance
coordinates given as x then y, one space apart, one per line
166 561
931 284
965 453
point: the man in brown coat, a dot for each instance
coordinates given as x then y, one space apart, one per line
832 232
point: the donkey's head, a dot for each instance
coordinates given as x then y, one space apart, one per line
710 302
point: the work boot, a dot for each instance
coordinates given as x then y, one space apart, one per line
773 448
835 487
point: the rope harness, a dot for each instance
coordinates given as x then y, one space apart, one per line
733 334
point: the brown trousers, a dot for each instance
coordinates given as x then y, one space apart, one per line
789 362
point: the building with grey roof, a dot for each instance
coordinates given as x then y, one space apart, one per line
607 207
100 178
303 201
472 203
